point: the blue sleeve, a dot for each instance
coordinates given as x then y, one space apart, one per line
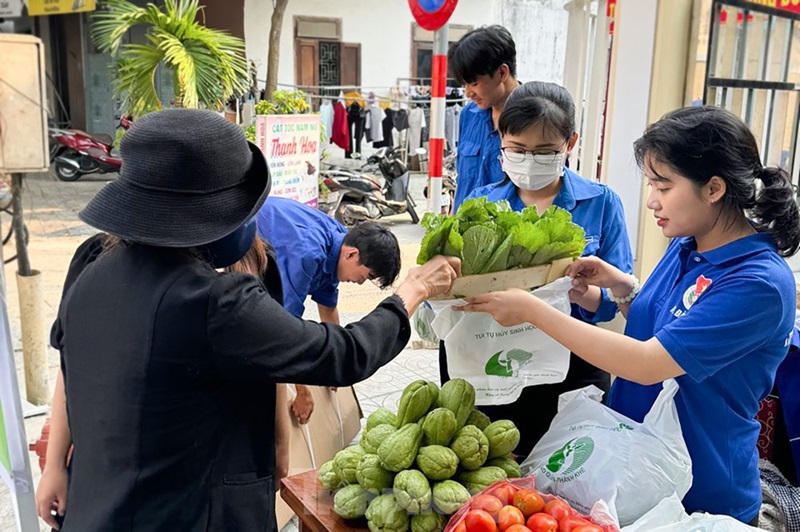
298 279
726 323
327 294
615 249
478 192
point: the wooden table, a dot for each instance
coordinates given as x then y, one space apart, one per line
313 504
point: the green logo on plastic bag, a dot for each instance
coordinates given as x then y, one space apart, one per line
571 457
508 365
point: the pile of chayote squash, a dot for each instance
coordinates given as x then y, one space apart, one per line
414 468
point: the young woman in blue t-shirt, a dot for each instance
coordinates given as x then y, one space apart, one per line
538 132
717 312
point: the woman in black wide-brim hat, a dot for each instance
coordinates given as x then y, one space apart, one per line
170 366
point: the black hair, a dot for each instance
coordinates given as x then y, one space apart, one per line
702 142
481 52
378 250
538 103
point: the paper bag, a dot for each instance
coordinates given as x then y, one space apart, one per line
333 425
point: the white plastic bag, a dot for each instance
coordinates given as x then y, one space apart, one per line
669 516
500 361
592 452
422 320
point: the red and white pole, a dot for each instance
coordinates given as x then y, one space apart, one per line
436 144
433 15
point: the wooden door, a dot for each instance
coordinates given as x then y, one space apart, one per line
350 61
307 63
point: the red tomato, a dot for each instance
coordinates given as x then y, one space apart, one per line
529 501
505 493
509 516
479 521
587 528
571 523
487 503
558 509
543 522
518 528
461 527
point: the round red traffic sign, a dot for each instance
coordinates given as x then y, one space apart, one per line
432 14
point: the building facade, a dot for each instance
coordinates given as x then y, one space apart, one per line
375 44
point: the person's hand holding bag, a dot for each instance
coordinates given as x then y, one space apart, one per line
593 271
508 308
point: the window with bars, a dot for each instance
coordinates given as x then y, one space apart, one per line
329 63
752 68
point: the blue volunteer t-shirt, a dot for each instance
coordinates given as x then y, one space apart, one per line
478 161
725 316
307 245
597 209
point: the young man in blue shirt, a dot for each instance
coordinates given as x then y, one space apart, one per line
315 253
485 62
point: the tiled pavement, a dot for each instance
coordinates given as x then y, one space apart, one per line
51 209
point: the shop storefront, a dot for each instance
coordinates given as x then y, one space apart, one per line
80 92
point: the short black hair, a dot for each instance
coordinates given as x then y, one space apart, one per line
378 250
481 52
538 103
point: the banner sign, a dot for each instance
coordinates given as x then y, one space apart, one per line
11 8
292 147
59 7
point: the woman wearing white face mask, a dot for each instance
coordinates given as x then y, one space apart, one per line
537 130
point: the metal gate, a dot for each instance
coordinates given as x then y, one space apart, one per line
753 70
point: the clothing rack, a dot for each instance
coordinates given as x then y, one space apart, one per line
361 89
385 99
406 102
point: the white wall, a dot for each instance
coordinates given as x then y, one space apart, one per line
539 28
634 41
384 30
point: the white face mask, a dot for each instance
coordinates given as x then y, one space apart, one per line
532 173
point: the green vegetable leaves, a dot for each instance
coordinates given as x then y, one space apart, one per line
479 244
490 237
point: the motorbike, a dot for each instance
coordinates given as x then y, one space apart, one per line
76 152
448 184
377 189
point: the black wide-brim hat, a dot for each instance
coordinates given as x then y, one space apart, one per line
188 177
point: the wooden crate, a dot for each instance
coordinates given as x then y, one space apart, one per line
524 278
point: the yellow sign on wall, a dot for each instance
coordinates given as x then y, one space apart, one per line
788 5
59 7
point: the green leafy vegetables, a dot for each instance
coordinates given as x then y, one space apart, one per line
489 237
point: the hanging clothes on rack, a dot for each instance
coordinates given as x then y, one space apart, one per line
374 121
355 127
354 97
341 134
387 125
416 122
400 119
326 118
451 113
425 136
422 91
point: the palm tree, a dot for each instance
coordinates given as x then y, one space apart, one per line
208 65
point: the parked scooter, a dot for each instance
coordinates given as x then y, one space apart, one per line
80 153
358 195
448 184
